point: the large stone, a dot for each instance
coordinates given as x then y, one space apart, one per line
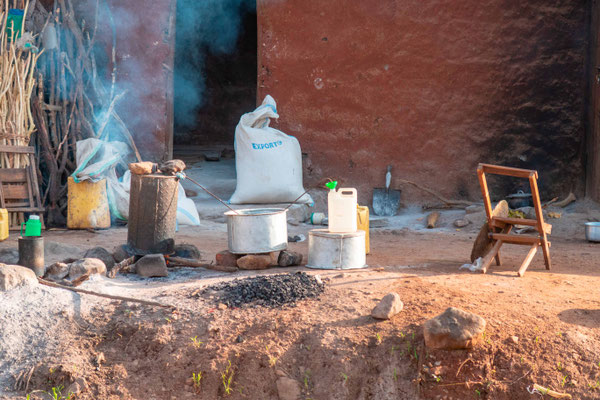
453 329
152 265
121 252
288 388
57 271
87 266
389 306
13 276
102 254
227 259
186 250
255 261
288 258
9 256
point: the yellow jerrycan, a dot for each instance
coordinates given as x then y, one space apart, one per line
87 205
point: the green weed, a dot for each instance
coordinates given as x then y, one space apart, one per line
345 377
227 377
564 380
594 386
197 343
306 378
378 338
395 374
197 378
57 394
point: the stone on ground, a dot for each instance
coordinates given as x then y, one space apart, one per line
9 256
461 223
288 388
13 276
102 254
255 261
185 250
288 258
89 266
453 329
57 271
389 306
227 259
152 265
121 253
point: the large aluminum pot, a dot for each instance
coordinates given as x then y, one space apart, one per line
592 231
261 230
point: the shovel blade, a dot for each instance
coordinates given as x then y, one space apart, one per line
386 202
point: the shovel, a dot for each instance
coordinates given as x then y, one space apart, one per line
386 201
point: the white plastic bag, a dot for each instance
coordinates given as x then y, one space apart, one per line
268 162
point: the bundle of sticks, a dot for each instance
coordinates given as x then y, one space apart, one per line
18 58
71 102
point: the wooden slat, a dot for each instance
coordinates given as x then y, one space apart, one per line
535 194
516 239
17 149
500 222
489 257
18 192
13 175
487 203
23 208
508 171
528 259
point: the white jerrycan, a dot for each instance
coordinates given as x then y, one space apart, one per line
342 210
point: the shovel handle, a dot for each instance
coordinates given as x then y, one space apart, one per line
388 178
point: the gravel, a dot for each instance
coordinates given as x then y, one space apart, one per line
268 291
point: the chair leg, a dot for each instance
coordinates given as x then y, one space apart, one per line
528 259
546 251
489 257
498 258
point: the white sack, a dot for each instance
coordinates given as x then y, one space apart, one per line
268 162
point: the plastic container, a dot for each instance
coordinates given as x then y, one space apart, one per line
4 224
87 205
342 210
362 216
14 23
33 226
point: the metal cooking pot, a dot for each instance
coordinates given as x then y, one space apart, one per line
260 230
592 231
519 199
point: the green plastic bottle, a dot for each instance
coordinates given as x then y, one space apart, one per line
33 226
14 23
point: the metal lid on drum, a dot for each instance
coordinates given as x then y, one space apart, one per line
255 212
335 235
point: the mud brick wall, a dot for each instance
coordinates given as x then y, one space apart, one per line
430 87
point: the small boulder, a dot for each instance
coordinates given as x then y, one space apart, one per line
185 250
77 387
57 271
255 261
389 306
87 266
13 276
227 259
288 388
121 252
9 256
288 258
461 223
453 329
473 208
514 339
102 254
152 265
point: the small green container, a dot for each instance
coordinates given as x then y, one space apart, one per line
14 23
33 226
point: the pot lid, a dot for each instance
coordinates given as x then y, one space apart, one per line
519 195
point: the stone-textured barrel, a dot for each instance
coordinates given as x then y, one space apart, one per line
152 214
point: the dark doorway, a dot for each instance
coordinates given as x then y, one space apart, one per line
215 70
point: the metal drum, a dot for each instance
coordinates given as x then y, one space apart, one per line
31 253
336 250
262 230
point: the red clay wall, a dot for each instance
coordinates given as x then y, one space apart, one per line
430 87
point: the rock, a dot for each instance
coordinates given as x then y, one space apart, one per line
102 254
318 279
227 259
473 208
255 261
185 250
121 252
57 271
453 329
514 339
288 388
142 168
9 256
477 218
152 265
389 306
529 212
76 387
461 223
13 276
87 266
288 258
62 250
280 372
190 193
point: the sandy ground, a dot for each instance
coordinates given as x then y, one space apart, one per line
330 346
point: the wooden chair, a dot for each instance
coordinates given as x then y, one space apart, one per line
19 190
500 228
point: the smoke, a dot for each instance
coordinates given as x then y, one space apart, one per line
203 27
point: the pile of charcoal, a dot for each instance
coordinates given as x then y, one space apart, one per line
267 291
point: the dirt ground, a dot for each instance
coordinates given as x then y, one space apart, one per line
330 346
